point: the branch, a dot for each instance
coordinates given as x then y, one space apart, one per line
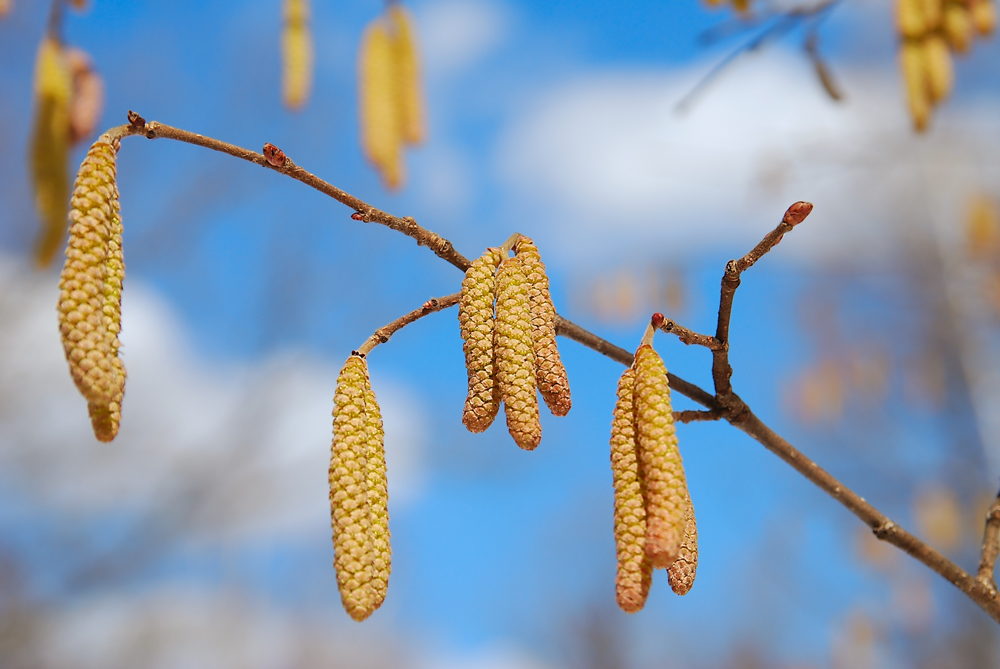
726 404
991 546
689 337
694 416
383 334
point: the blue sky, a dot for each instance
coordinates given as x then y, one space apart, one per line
552 119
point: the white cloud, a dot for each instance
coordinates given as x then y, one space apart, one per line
455 34
252 440
613 166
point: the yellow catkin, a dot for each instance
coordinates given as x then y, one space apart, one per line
984 16
297 54
350 507
682 572
91 288
411 104
550 374
910 19
381 137
635 572
940 74
958 27
515 357
932 11
378 498
913 59
660 461
476 323
50 147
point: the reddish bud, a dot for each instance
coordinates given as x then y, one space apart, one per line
358 216
274 155
658 319
135 120
797 213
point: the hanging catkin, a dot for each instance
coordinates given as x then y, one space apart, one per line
940 75
91 288
381 128
50 147
378 498
297 54
634 568
659 461
410 99
913 58
550 373
682 572
515 357
476 323
350 506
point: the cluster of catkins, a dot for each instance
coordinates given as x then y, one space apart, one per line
69 96
654 517
931 30
391 107
90 289
296 54
359 494
507 322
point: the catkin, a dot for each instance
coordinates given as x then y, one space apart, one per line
91 288
88 96
378 498
5 7
550 374
50 147
297 54
515 357
940 74
476 322
381 129
350 504
410 100
913 58
958 27
984 16
682 572
660 461
635 572
910 18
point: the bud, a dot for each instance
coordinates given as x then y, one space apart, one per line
297 54
913 58
682 572
381 137
984 16
661 467
350 507
940 74
475 318
958 27
635 572
378 498
91 287
550 374
50 147
411 106
515 356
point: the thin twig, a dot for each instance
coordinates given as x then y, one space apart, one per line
383 334
991 546
689 337
573 331
722 372
693 415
